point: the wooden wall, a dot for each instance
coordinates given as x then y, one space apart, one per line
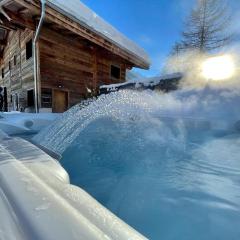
18 74
66 62
74 65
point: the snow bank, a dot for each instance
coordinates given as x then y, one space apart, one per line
3 135
18 123
37 201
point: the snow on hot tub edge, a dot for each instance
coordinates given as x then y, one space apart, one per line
16 123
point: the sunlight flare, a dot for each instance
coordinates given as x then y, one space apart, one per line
218 68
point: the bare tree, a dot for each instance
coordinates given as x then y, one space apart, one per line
177 49
206 28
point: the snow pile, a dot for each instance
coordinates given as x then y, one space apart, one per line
3 135
19 123
156 80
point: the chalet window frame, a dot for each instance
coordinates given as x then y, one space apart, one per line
29 49
113 65
5 99
15 60
33 100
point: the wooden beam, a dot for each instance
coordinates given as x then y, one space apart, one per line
8 26
20 21
29 5
23 10
95 69
7 2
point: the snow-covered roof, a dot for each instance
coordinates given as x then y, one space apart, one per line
80 13
150 81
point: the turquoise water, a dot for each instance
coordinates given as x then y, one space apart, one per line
167 164
168 178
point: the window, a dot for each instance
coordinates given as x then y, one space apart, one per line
15 60
30 98
46 99
115 72
2 72
5 100
29 49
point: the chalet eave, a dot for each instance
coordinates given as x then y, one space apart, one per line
24 13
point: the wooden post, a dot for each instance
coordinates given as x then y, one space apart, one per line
95 77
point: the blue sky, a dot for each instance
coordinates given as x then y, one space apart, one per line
153 24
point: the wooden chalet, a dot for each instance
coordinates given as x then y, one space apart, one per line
54 53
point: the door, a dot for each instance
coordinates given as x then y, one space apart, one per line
60 101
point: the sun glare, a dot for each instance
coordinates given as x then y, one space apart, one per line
218 68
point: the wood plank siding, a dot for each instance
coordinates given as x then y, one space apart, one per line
74 66
17 71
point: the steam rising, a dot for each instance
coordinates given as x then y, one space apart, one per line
200 68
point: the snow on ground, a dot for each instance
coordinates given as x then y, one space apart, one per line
19 123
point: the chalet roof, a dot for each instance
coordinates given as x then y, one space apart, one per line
77 11
146 82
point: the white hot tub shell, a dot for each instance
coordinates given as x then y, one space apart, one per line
38 202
